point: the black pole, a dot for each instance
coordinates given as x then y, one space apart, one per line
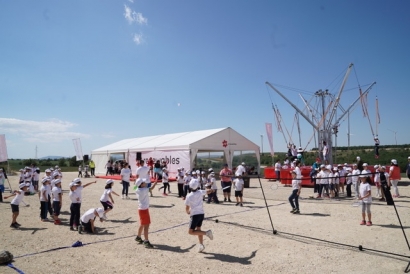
267 208
405 237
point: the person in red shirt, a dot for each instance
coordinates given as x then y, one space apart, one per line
226 181
150 164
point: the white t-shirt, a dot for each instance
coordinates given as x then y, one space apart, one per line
126 174
295 184
325 150
238 182
355 177
240 170
164 177
88 215
104 196
43 192
143 173
363 190
366 172
323 176
336 178
195 202
349 178
36 176
74 196
187 179
212 180
277 166
376 178
180 179
78 192
298 172
56 191
143 197
18 198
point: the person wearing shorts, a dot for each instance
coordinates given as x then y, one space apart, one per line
365 195
143 210
226 182
239 184
16 202
194 208
106 198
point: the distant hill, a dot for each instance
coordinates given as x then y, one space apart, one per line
51 157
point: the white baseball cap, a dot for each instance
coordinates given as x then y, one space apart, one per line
394 161
194 184
23 185
109 181
140 181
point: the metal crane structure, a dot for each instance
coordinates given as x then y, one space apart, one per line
326 122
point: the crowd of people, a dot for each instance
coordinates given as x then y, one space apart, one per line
332 182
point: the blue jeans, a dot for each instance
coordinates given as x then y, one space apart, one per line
125 186
294 196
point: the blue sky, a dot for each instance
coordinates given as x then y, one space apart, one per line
106 70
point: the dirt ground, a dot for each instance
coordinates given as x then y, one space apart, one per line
324 238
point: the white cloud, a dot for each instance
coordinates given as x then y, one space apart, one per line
131 1
140 19
138 39
132 16
51 131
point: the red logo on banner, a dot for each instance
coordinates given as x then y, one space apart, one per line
224 143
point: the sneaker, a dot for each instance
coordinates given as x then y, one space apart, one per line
139 240
201 248
13 225
363 222
72 228
147 244
127 197
224 199
293 210
17 224
296 211
164 194
229 200
382 199
369 223
209 234
169 192
241 204
237 204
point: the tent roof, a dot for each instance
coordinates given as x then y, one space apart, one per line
204 139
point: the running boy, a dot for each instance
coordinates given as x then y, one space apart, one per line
194 207
143 210
16 202
366 197
294 197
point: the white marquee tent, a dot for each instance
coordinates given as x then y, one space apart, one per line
179 149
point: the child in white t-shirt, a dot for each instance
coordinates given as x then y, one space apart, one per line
294 197
356 180
57 200
165 182
44 198
106 198
349 182
366 197
180 181
213 193
376 180
88 218
194 208
143 210
239 183
16 202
